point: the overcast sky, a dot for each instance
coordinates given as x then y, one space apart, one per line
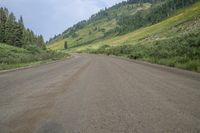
50 17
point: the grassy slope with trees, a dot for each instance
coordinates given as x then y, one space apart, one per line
170 37
98 27
19 46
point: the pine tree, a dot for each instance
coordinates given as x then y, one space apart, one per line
65 45
9 30
22 29
40 41
3 19
21 22
18 35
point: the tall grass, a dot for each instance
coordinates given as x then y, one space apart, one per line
182 52
13 56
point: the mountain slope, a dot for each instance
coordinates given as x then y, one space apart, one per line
174 41
185 21
117 20
97 27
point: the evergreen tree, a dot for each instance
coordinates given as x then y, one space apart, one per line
21 22
10 29
18 35
40 41
22 29
3 19
65 45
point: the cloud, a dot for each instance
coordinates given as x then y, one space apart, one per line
50 17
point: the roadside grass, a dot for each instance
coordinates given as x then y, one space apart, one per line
181 52
13 57
12 66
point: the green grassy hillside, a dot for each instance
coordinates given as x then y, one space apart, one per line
96 28
175 41
107 23
13 57
184 21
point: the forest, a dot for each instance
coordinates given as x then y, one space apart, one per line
13 31
20 46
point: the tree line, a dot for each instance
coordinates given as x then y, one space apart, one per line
155 14
13 31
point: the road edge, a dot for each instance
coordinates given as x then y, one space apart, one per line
35 65
183 72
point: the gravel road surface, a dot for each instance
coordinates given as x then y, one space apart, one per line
99 94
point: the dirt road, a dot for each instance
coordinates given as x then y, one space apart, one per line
99 94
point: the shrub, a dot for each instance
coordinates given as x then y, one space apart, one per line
182 52
13 55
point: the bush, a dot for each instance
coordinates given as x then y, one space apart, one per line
33 49
182 52
13 55
101 49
